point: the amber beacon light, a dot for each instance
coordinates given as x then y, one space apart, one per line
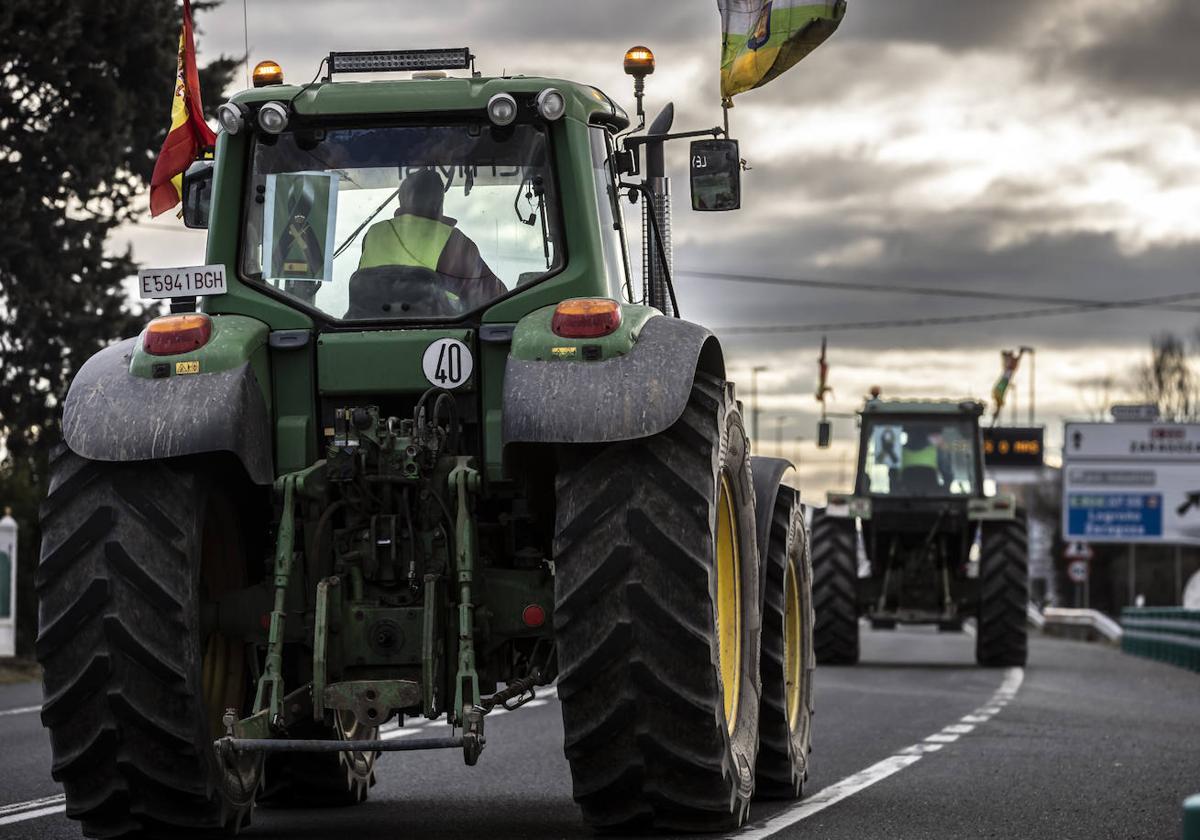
639 61
267 73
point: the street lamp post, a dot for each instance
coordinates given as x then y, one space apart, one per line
779 421
754 371
1032 382
799 449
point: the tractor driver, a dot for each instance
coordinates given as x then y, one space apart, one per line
420 236
922 461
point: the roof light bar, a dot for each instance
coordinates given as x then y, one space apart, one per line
399 61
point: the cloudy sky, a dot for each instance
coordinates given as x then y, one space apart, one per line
1018 155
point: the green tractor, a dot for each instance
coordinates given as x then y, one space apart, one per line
918 541
421 450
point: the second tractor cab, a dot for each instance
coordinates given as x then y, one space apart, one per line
918 541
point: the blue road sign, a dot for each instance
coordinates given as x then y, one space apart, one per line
1114 515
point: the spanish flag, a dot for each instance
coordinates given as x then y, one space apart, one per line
189 133
763 38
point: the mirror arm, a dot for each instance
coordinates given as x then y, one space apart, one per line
643 139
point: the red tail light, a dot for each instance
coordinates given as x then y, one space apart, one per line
533 616
586 318
174 334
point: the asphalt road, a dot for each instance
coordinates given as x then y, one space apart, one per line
915 742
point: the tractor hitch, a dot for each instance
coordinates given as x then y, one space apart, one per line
319 745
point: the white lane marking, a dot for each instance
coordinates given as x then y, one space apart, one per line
941 738
32 815
975 718
57 799
830 795
399 733
33 809
917 749
1013 677
24 710
50 805
959 728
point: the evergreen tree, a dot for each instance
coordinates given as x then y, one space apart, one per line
85 96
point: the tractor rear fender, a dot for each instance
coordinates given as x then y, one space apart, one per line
111 414
768 474
631 394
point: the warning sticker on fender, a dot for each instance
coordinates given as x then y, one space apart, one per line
188 281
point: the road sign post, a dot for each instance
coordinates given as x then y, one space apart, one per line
8 585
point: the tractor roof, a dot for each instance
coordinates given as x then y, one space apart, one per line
967 407
407 96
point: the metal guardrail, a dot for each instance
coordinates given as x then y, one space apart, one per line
1191 816
1167 634
1090 619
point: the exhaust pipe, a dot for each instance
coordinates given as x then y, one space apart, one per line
654 281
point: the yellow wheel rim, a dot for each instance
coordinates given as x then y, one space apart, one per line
729 603
791 646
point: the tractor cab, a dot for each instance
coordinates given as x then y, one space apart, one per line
924 450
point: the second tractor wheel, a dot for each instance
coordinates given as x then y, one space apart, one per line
835 598
657 622
1001 636
788 660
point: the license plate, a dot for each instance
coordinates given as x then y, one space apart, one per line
188 281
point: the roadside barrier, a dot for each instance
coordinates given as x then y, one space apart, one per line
1168 634
1089 623
1191 815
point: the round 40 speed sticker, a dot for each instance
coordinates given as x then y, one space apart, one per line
447 363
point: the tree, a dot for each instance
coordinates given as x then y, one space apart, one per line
85 95
1169 379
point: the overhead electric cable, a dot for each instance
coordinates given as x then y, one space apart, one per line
900 289
838 326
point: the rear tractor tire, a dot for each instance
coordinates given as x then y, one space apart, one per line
134 689
835 587
788 659
1001 637
657 622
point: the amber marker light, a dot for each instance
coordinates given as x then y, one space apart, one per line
174 334
267 73
639 61
586 318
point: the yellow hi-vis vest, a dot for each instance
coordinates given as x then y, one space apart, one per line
405 240
925 457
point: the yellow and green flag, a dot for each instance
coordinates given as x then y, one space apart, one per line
763 38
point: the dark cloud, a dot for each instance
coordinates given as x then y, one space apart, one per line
961 25
951 256
1155 54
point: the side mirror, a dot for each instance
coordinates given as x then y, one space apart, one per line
197 194
824 433
716 173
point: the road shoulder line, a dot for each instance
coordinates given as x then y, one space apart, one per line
836 792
